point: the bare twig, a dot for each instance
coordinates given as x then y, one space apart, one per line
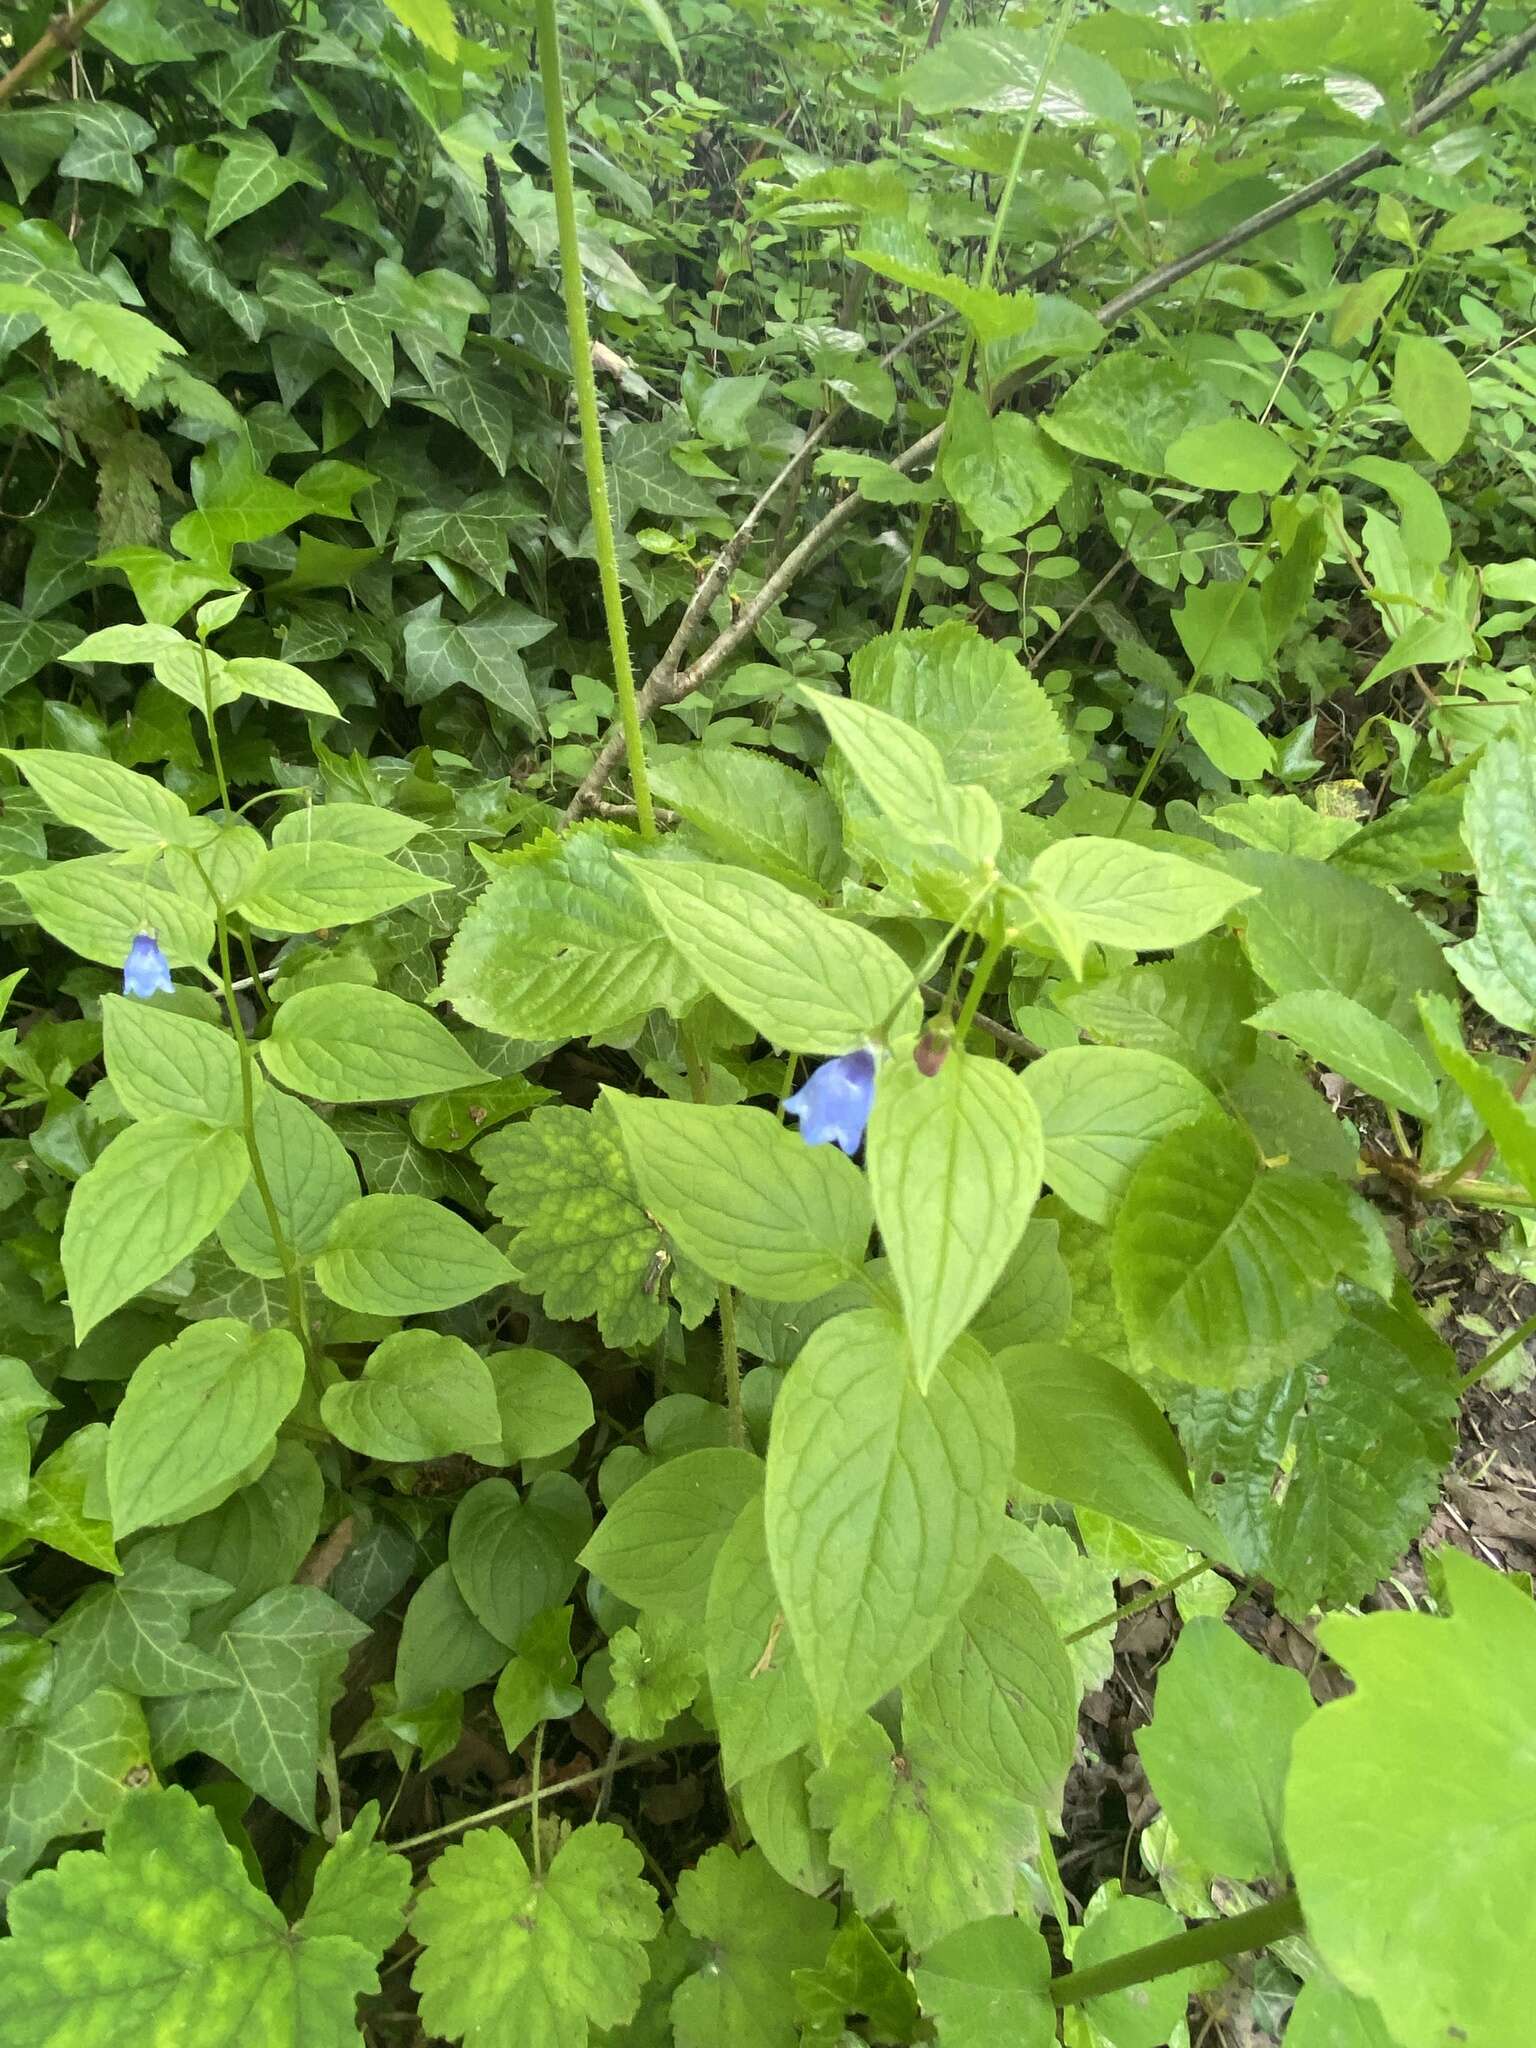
1453 49
1015 1041
62 33
669 684
327 1554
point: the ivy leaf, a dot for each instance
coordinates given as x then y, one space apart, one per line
520 1962
913 1830
64 1769
134 1634
584 1241
251 176
758 1929
284 1653
657 1672
160 1937
1427 1765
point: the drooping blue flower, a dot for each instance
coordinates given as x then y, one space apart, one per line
146 971
833 1104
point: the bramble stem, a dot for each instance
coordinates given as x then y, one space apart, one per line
1207 1943
586 405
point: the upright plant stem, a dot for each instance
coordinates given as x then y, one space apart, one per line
991 954
730 1359
586 405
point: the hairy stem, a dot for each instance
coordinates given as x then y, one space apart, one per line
1208 1943
586 404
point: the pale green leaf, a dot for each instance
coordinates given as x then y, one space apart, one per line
279 682
989 1982
1340 1033
1231 455
657 1669
346 1042
431 21
401 1255
310 1178
112 804
763 1707
134 1632
1430 390
1228 737
1109 892
755 1930
903 776
420 1395
1101 1111
657 1545
97 906
1131 408
300 888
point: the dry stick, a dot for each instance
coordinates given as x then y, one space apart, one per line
668 684
62 33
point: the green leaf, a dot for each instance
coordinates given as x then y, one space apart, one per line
1218 1748
1087 1434
1498 965
763 1707
999 1685
121 347
1131 408
401 1255
1229 738
745 1198
912 1830
194 1416
1101 1111
901 773
1476 227
251 176
349 1043
299 888
515 1555
1505 1118
64 1770
562 945
1144 2015
756 1930
1109 892
1329 1474
168 1941
1325 2015
1340 1033
442 1645
989 1982
22 1400
310 1178
898 248
754 811
584 1240
955 1161
420 1395
284 1653
990 720
1008 71
882 1503
657 1672
657 1545
163 1064
97 906
134 1633
112 804
543 1404
520 1963
431 22
279 682
1002 472
260 1536
1426 1766
153 1196
1224 1268
1430 390
808 981
536 1684
1315 927
1191 1008
1231 455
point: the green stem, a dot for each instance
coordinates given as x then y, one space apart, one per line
586 405
962 923
1140 1604
213 730
991 953
1207 1943
1510 1341
730 1359
533 1811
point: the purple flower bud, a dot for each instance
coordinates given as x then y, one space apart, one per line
833 1104
933 1049
146 971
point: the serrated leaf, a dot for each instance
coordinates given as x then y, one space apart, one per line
195 1414
1218 1748
754 810
1101 1111
756 1930
525 1963
808 981
153 1196
913 1831
562 945
1342 1034
657 1545
745 1198
954 1167
350 1043
1225 1268
284 1653
881 1502
65 1767
400 1255
763 1707
420 1395
119 346
303 888
901 773
167 1940
1502 1114
1428 1758
657 1669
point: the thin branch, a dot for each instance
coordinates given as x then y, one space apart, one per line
62 33
1015 1041
1453 49
668 684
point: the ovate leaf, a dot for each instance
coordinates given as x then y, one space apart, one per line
656 1547
882 1502
161 1063
1342 1034
401 1255
350 1043
420 1395
1430 390
989 1982
1108 892
763 1707
757 1930
111 803
1101 1111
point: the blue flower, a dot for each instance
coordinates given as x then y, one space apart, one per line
146 971
833 1104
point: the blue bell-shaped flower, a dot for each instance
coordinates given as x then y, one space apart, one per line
146 971
833 1104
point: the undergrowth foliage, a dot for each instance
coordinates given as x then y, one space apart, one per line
767 844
